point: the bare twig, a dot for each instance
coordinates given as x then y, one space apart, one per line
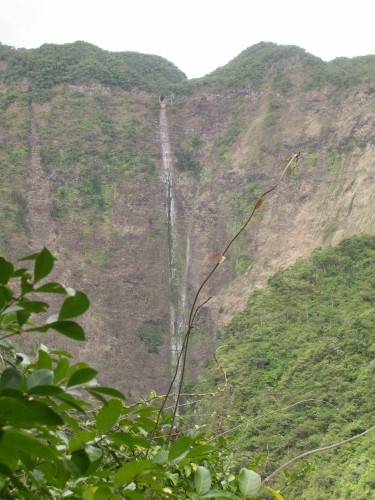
194 308
308 453
181 394
10 335
191 394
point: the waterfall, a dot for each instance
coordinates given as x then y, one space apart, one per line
177 283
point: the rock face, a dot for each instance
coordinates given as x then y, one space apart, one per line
84 172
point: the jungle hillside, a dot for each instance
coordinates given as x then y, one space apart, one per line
299 363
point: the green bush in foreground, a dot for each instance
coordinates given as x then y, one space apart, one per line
62 435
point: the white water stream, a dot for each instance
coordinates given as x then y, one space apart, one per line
177 283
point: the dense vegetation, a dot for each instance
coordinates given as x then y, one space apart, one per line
270 65
264 64
308 338
82 62
54 439
89 160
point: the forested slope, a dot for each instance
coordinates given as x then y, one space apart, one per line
300 365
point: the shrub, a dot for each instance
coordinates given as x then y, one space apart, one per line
55 441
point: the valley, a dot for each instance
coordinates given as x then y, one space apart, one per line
133 176
85 172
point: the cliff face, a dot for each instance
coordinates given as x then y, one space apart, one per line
84 171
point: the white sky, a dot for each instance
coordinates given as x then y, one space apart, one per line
196 35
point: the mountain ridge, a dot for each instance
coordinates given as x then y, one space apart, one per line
137 68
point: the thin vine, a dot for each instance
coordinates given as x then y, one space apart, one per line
219 257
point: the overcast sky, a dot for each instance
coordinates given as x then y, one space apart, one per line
196 35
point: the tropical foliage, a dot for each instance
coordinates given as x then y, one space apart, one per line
62 434
300 365
82 62
267 64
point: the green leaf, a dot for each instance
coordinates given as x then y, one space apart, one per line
32 256
18 273
202 480
6 343
39 377
201 449
6 295
123 438
74 306
61 369
70 329
79 440
276 494
219 494
89 493
11 379
33 306
26 283
24 413
133 495
43 264
108 391
8 456
12 393
61 352
71 402
23 317
131 470
161 457
105 493
5 470
173 478
180 449
3 300
46 390
26 443
140 441
108 415
249 483
96 395
102 493
12 309
82 376
187 470
51 287
6 270
44 359
81 461
29 462
93 453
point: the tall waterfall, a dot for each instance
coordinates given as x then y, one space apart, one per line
177 281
